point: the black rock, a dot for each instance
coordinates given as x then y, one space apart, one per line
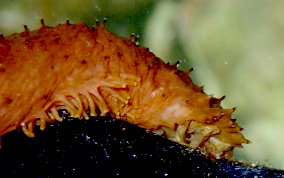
106 147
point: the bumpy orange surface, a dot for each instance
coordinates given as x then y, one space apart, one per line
89 71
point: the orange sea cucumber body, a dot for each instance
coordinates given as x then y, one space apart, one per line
82 69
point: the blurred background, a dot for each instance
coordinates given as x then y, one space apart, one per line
235 47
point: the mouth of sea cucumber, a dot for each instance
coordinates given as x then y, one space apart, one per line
198 136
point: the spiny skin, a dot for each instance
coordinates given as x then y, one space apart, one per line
78 68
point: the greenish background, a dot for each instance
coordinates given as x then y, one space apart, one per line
235 48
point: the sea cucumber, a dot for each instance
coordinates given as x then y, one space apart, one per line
89 72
